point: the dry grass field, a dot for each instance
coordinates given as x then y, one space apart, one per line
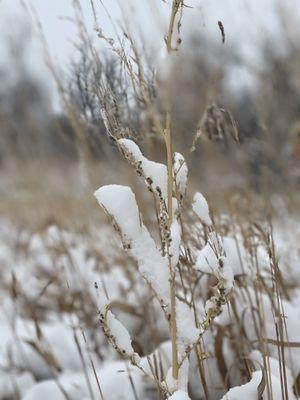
150 229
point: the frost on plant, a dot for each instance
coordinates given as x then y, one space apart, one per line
157 263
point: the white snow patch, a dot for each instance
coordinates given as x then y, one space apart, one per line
187 333
274 365
157 172
119 333
174 249
249 390
200 207
11 381
120 203
206 260
46 390
183 375
180 173
179 395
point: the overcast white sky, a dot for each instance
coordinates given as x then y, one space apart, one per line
244 21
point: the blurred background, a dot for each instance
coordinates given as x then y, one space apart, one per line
236 107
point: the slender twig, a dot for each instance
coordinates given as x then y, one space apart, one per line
168 141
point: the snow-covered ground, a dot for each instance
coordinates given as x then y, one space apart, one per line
84 315
54 282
